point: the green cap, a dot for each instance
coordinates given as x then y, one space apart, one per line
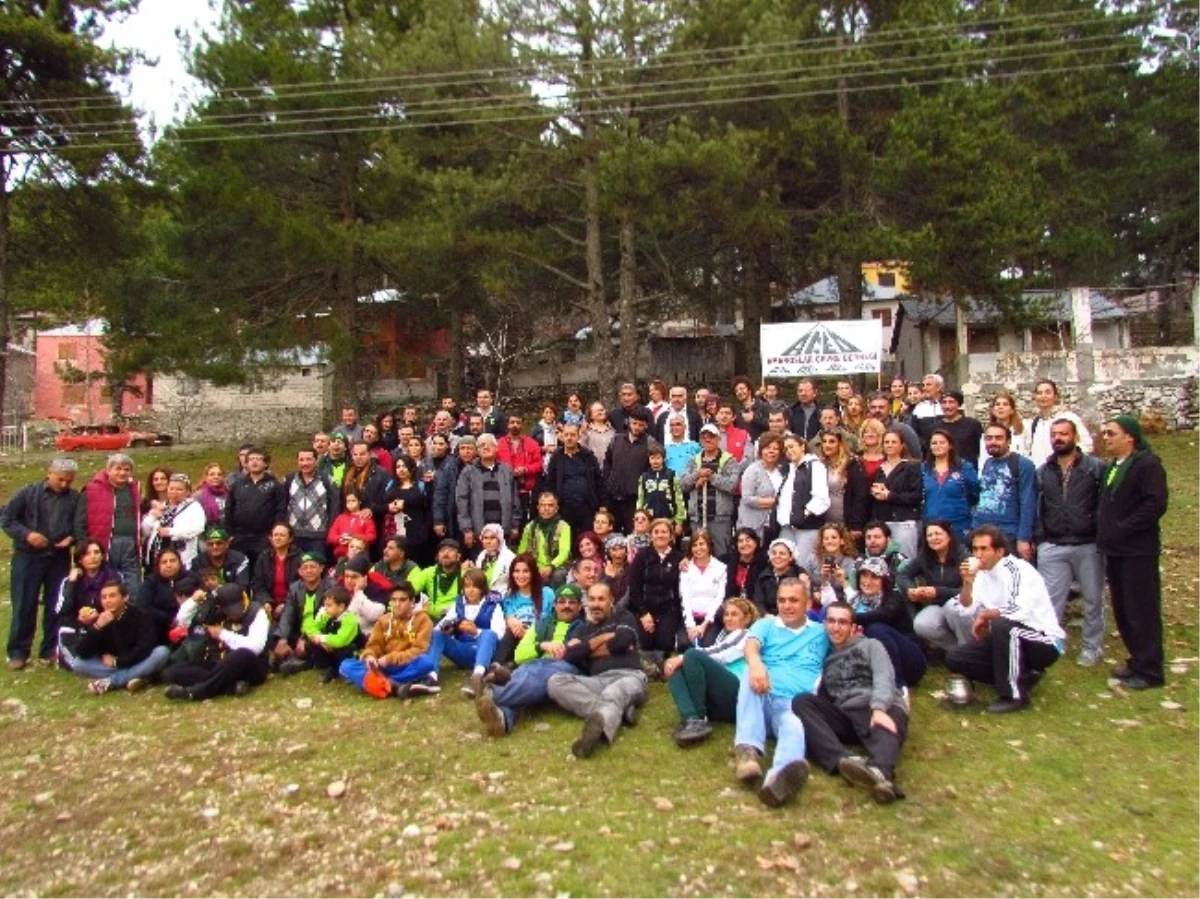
569 591
216 533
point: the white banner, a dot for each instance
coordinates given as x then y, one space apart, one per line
821 348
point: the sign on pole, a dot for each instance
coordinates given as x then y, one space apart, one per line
821 348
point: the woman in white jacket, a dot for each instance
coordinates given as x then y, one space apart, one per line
702 590
496 558
803 498
179 523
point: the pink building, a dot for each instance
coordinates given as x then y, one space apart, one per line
69 382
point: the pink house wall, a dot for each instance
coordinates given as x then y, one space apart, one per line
55 398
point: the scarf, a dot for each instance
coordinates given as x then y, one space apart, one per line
157 543
212 500
88 588
546 528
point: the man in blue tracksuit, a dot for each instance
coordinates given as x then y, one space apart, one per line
1007 492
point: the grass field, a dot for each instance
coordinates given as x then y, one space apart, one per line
1093 792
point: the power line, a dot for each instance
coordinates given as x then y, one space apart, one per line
692 104
736 52
443 106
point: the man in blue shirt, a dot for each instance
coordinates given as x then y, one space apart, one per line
784 656
1007 492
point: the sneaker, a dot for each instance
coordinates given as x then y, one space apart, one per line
490 714
593 733
1121 672
328 675
136 685
241 688
1089 657
178 691
47 661
1007 706
856 770
499 674
291 666
1137 682
99 687
693 731
426 686
780 786
16 664
748 767
403 691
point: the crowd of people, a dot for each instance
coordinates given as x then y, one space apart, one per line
792 569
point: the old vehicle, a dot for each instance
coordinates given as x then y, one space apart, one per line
107 437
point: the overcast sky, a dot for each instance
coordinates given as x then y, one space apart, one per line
159 91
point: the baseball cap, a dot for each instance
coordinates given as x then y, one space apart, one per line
711 429
230 595
216 533
569 591
874 565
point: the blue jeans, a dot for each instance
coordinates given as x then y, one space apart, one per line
761 716
355 671
97 670
36 580
465 652
528 687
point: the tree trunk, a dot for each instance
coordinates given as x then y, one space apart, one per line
352 377
849 267
456 354
5 335
630 336
755 302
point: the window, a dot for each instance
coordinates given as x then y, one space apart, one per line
887 279
983 340
188 386
66 350
306 372
884 315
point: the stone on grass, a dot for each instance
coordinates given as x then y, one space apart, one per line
801 840
336 790
512 863
908 882
663 804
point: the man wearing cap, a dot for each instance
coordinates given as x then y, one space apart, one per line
858 701
1133 500
614 686
238 630
539 656
298 621
311 503
626 459
709 481
41 520
110 512
441 582
965 431
232 567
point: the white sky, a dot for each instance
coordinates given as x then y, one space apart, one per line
159 92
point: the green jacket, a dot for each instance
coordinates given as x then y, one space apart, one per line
425 581
547 556
528 649
339 632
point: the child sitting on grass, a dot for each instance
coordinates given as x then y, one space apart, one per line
397 648
336 634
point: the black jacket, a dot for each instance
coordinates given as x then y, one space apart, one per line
1068 517
907 499
796 421
37 508
801 496
661 432
967 433
619 418
622 648
157 598
1129 514
131 638
263 579
766 588
893 610
654 583
252 509
857 497
756 567
926 571
623 465
235 567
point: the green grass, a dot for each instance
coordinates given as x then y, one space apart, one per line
1090 793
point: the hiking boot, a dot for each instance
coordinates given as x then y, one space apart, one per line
241 688
593 733
858 771
99 687
291 666
1120 672
748 764
474 685
693 731
426 686
498 674
16 664
780 786
1007 706
1137 682
490 714
178 691
137 684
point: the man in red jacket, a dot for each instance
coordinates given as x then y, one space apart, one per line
733 438
110 507
521 453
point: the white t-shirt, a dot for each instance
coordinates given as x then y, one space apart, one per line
1016 589
1038 431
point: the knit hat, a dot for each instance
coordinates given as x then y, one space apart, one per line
1130 426
451 543
614 541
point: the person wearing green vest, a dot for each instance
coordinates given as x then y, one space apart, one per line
297 623
440 583
548 537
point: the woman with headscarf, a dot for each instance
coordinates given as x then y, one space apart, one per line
178 523
495 560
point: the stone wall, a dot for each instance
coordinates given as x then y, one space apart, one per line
275 407
1154 381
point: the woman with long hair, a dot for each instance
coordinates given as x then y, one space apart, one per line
157 593
760 485
525 601
870 449
654 590
407 511
79 596
385 426
897 493
156 488
951 484
702 590
830 569
744 563
932 578
598 435
803 497
847 483
854 414
1003 412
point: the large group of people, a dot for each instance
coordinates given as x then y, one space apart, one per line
792 569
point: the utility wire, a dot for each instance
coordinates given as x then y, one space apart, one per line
441 106
737 53
489 120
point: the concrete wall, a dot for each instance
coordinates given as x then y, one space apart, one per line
18 385
279 406
1160 380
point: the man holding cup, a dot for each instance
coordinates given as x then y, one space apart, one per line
1016 635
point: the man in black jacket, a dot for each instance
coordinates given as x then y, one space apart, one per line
1068 490
370 479
805 418
255 503
573 476
628 456
120 648
232 567
630 402
677 404
40 519
614 687
1133 499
